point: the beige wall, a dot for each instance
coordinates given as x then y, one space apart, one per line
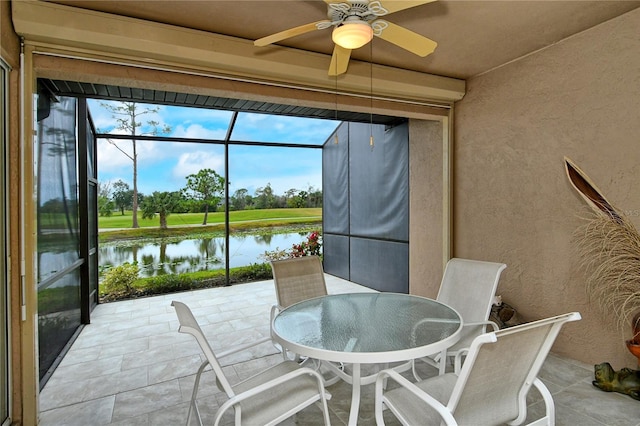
9 42
427 190
513 202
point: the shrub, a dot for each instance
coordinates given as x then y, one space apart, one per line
171 283
311 247
253 272
120 279
166 284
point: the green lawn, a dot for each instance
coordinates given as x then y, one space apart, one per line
187 219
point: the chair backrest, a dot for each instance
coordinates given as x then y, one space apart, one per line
298 279
499 370
189 325
469 287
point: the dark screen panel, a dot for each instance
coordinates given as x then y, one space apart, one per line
379 182
335 182
58 256
336 255
366 213
381 265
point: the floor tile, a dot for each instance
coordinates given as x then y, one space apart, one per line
132 367
146 400
96 412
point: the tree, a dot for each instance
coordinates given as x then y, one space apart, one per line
122 195
105 206
290 197
314 197
265 198
239 199
104 189
126 115
161 203
206 187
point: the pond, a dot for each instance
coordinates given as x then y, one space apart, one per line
157 257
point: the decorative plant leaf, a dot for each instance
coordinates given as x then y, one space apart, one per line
589 191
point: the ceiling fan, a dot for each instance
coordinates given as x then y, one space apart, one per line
355 23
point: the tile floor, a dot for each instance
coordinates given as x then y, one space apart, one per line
130 366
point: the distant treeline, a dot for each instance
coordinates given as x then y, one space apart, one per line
119 197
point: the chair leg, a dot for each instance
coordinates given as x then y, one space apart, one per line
336 378
193 406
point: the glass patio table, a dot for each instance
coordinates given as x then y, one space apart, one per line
366 328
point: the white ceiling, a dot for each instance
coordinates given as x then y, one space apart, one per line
473 36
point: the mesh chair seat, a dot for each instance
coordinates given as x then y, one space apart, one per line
298 279
285 398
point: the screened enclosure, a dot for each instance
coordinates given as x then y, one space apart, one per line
366 205
362 167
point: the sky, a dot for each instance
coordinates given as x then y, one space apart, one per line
163 166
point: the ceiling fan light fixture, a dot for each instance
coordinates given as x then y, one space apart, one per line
352 35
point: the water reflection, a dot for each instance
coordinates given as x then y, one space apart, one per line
161 257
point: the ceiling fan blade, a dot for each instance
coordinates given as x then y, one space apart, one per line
339 60
291 32
406 39
397 5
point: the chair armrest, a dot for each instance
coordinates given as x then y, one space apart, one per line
485 323
275 309
444 412
235 399
243 347
457 362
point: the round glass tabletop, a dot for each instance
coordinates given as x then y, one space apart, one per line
367 324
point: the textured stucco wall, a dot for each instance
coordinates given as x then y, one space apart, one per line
425 207
9 41
512 200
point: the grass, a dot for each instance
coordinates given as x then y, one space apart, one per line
117 221
216 230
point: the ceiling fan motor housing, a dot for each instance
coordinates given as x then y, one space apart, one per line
362 10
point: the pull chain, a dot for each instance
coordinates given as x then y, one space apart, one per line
371 144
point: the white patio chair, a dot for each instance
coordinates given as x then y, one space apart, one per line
468 286
491 388
266 398
297 279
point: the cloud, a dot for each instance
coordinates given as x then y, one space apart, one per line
198 131
111 158
273 128
192 162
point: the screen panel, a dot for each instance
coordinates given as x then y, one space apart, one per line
58 249
336 255
379 181
335 178
381 265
